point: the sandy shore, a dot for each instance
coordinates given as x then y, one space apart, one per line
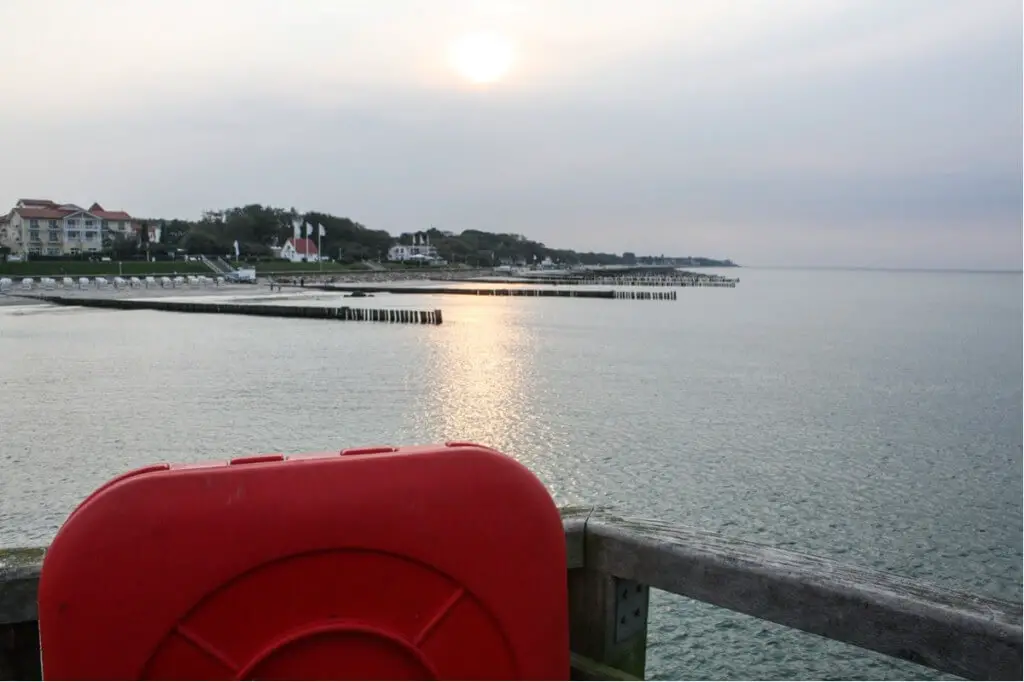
17 296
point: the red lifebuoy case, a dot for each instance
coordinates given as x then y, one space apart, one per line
441 562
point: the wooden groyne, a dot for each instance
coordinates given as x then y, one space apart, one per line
549 293
613 563
344 313
704 281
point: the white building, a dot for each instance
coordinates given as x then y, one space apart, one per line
419 250
44 227
300 250
404 252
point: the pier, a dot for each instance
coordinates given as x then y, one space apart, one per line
650 281
343 313
614 562
549 293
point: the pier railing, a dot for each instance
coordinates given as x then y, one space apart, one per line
613 564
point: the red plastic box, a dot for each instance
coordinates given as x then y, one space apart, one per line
443 562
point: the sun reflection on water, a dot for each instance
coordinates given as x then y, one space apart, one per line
481 374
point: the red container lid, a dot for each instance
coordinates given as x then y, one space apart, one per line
441 562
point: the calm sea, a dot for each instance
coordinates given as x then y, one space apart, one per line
872 417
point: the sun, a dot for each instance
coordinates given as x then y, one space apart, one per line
482 57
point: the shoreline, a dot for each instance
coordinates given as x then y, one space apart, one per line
232 291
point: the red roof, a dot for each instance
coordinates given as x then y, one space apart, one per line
111 215
48 210
304 246
52 213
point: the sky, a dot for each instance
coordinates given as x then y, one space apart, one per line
869 133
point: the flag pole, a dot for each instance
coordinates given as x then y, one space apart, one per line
319 253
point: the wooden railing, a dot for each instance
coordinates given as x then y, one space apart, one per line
614 562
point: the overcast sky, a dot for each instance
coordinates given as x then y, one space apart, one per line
775 132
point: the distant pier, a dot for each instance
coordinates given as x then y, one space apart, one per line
548 293
609 281
662 280
343 313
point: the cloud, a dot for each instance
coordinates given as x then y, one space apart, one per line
808 132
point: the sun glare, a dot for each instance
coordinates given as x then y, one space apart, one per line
481 57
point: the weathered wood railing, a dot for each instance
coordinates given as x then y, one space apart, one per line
614 562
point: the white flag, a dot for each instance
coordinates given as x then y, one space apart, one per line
236 249
322 232
309 230
297 229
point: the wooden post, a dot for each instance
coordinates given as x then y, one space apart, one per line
19 651
608 619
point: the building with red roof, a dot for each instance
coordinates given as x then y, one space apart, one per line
45 227
300 250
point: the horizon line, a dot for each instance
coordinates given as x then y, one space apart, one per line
886 268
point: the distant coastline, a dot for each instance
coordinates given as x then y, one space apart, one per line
871 268
257 234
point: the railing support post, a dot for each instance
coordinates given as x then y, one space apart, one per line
608 617
19 651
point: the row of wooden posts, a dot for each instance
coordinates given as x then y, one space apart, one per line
614 281
646 295
549 293
344 313
661 282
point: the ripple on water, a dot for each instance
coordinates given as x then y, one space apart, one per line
872 417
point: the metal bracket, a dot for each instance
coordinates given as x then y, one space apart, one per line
631 599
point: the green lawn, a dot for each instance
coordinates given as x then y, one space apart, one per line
77 268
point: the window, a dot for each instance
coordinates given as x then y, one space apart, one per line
75 251
72 222
34 236
54 236
93 249
54 225
106 225
91 235
74 234
34 223
88 223
52 251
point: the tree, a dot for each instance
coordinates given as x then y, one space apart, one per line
124 248
258 228
174 231
200 241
